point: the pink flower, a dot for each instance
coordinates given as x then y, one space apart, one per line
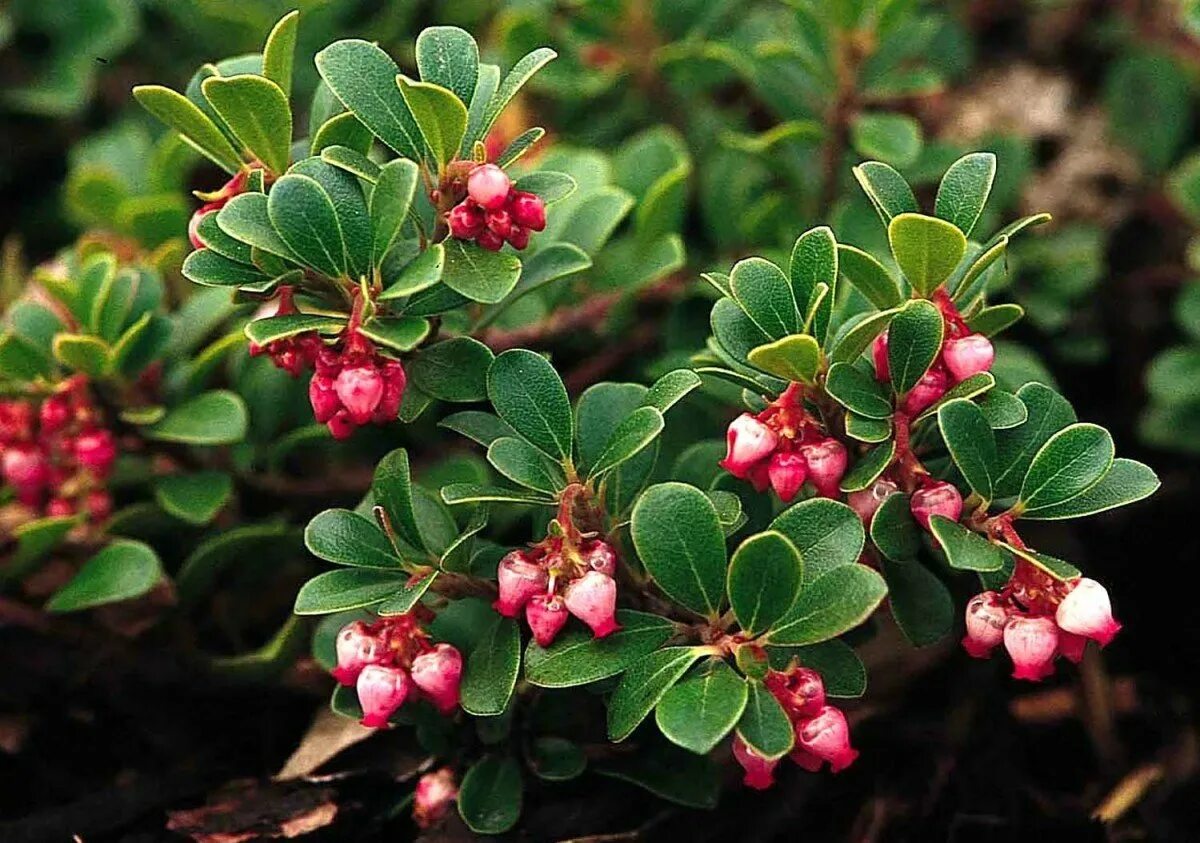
879 356
826 461
866 502
96 451
528 210
801 692
381 690
518 238
1071 646
394 382
360 389
787 472
1087 611
25 468
546 615
593 599
826 735
601 557
938 498
986 616
356 648
488 186
519 579
499 221
465 221
99 504
1032 643
490 240
323 397
54 414
438 673
748 442
967 356
59 508
341 426
434 795
931 387
760 771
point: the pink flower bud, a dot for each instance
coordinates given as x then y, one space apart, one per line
394 382
968 356
488 186
593 599
59 508
938 498
360 389
986 616
866 502
465 221
928 390
323 397
437 673
193 227
879 355
528 210
760 476
381 690
341 426
748 441
546 615
96 451
54 414
1032 643
356 648
518 238
827 736
1087 611
787 472
490 240
25 468
826 462
801 692
500 222
519 579
760 772
1071 646
99 505
434 795
601 557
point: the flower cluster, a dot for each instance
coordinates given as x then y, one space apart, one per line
964 353
56 454
215 201
558 578
783 447
822 733
355 385
391 660
293 354
434 795
494 212
1039 618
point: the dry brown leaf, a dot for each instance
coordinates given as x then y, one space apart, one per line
253 810
327 735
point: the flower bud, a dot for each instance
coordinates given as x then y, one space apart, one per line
394 382
99 505
59 508
465 221
866 502
96 451
593 599
801 692
986 616
323 397
826 735
54 414
546 615
25 468
748 441
381 690
341 426
928 390
938 498
1071 646
879 356
601 557
1087 611
488 186
967 356
1032 643
518 238
760 772
437 673
826 461
518 579
434 795
193 227
528 210
360 389
499 221
490 240
356 648
787 472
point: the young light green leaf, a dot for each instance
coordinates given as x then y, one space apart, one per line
1070 463
914 342
440 115
700 710
971 443
926 248
834 604
643 684
196 127
964 190
764 580
256 110
793 358
679 540
887 190
529 395
992 320
279 52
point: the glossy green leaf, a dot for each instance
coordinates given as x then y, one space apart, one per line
477 426
209 269
452 370
700 710
814 261
303 214
643 685
965 550
871 431
272 328
894 531
1126 482
491 670
399 333
121 571
347 588
893 138
1070 463
992 320
926 248
212 418
855 390
448 56
854 341
392 489
1003 410
765 294
887 190
516 78
577 657
347 538
834 603
635 433
419 274
389 204
279 51
489 799
529 395
246 218
680 542
196 127
793 358
669 773
764 724
478 274
409 595
965 188
82 353
256 110
919 601
556 759
826 532
764 580
525 465
914 342
1047 412
971 443
195 498
460 493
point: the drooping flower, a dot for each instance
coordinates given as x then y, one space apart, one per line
593 599
937 498
438 673
967 356
434 795
546 615
519 578
759 771
1032 643
1087 611
748 442
826 735
381 691
986 616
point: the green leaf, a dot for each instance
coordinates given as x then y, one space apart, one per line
869 277
121 571
392 488
643 685
491 669
35 540
19 360
352 161
854 341
973 386
577 657
871 431
914 342
1047 413
814 261
835 603
764 724
209 233
521 73
389 204
556 759
1003 410
868 469
529 395
460 493
635 433
489 800
419 274
926 248
840 667
855 390
272 328
194 498
554 187
697 712
1126 482
971 443
409 594
964 190
347 538
965 550
342 131
992 320
478 274
440 115
793 358
477 426
679 540
82 352
1053 567
485 88
1148 98
764 580
212 418
246 218
196 127
765 294
826 532
347 588
399 333
887 190
210 269
448 56
735 332
256 110
894 531
525 465
894 138
521 144
303 214
919 601
279 51
452 370
363 77
1070 463
675 775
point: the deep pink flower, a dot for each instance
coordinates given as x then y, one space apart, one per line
601 557
546 615
1071 646
356 648
787 472
54 414
760 771
593 599
1032 643
826 461
381 690
967 356
438 673
488 186
879 355
986 616
528 210
927 391
827 736
434 795
748 442
323 397
360 389
99 504
938 498
490 240
866 502
25 468
96 451
1087 611
499 221
801 692
465 220
518 238
394 383
519 578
